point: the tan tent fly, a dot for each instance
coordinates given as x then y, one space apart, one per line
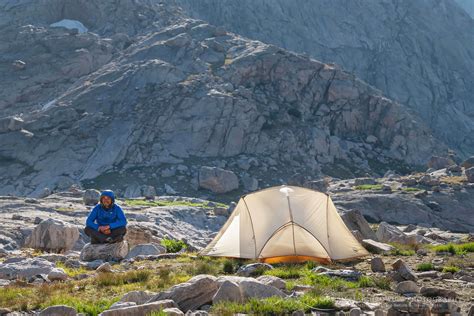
285 224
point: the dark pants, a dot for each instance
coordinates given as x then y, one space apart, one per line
116 235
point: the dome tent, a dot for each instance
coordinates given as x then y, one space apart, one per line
285 224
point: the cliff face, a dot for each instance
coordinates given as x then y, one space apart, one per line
135 104
420 53
467 5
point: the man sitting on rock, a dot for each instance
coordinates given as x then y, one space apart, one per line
106 223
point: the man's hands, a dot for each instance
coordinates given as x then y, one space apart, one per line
105 229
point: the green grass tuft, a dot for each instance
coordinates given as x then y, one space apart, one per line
425 266
287 271
172 245
274 305
455 249
451 269
368 187
133 276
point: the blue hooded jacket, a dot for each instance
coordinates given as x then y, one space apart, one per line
99 216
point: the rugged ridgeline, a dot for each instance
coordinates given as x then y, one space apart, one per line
420 53
161 95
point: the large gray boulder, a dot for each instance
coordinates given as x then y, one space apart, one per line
25 268
254 289
53 235
107 252
228 291
199 290
390 233
218 180
354 220
138 234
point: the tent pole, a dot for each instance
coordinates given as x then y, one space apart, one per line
292 224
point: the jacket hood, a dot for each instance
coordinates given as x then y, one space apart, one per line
108 193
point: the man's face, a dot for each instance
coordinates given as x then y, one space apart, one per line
106 201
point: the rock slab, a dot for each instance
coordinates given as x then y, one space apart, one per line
107 252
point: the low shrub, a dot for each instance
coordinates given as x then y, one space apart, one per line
451 269
274 305
425 266
368 187
134 276
172 245
455 249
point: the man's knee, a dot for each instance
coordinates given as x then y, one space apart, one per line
120 231
89 231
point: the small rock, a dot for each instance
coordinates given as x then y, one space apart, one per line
409 228
437 292
427 274
349 275
443 308
57 274
409 308
173 311
217 180
104 268
403 270
470 174
253 269
407 287
220 211
19 64
375 246
169 190
91 197
149 192
468 163
355 312
58 310
377 265
437 162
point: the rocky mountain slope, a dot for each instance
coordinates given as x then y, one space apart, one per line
420 53
161 95
467 5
